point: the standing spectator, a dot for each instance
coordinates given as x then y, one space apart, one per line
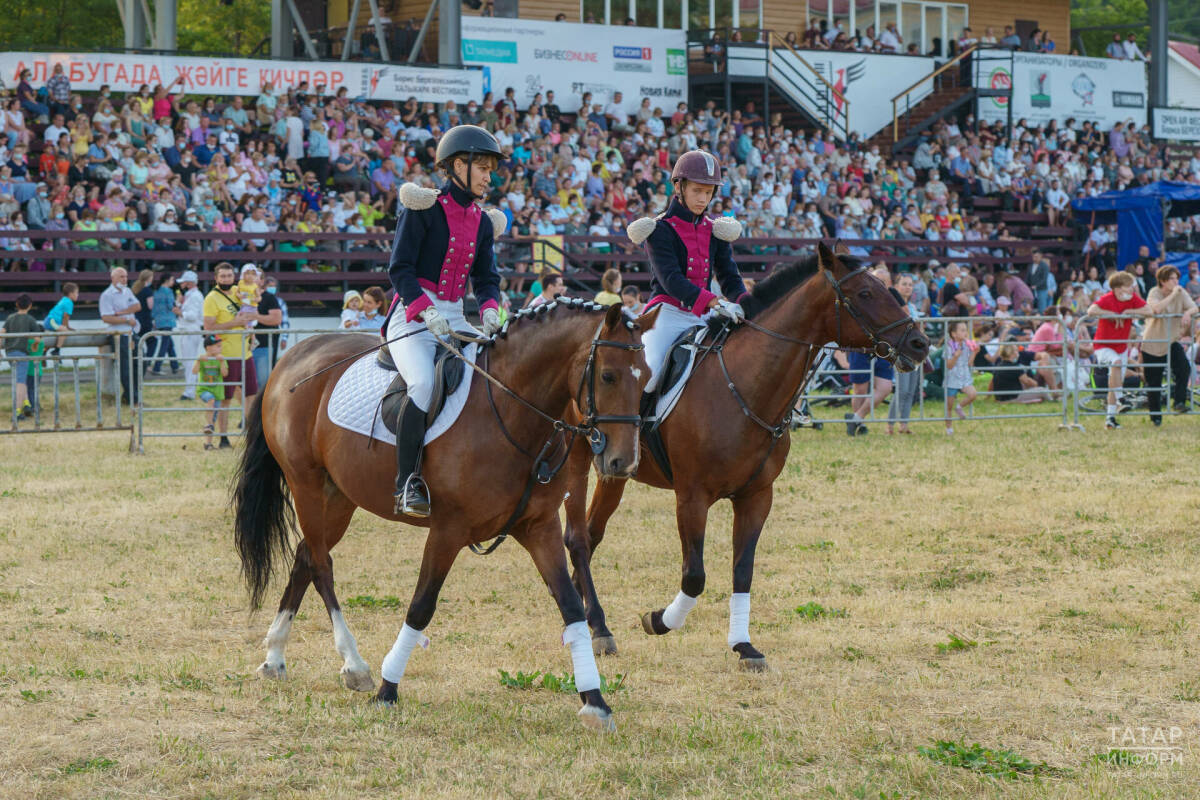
210 374
143 291
1010 39
1112 335
222 314
1132 51
191 319
871 380
1039 279
165 313
59 90
21 322
610 291
1115 48
118 308
269 319
908 384
957 354
1160 342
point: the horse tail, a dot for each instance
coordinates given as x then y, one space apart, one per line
263 513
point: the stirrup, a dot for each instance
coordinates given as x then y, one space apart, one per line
414 484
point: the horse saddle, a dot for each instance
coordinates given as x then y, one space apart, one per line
448 375
676 372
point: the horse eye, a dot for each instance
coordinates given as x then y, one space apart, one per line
865 294
608 376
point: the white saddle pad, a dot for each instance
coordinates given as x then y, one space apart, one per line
666 402
354 404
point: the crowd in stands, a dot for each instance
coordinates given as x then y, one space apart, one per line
310 159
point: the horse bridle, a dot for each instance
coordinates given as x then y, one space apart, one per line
591 419
879 347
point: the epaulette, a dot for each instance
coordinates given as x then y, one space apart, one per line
418 198
640 229
727 229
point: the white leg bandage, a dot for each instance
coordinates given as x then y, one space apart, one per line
397 659
277 636
739 618
675 614
579 639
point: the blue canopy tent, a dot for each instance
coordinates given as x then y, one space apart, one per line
1140 214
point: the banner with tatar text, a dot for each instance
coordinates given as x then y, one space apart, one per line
1046 87
244 76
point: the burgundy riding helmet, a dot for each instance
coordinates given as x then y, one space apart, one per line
697 166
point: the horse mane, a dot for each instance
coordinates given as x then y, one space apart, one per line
780 283
527 318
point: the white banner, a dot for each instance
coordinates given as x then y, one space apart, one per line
1179 124
533 56
1046 87
244 76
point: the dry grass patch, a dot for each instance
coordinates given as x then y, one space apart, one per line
1062 564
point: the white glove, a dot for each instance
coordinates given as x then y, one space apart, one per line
436 323
730 310
491 321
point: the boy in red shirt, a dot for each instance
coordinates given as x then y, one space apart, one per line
1112 335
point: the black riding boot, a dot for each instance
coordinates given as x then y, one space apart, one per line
412 497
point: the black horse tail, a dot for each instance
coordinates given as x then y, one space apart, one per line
263 513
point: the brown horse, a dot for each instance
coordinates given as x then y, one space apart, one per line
567 357
728 434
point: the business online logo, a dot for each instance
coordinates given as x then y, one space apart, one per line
489 51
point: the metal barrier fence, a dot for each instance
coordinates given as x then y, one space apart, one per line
1065 390
224 409
33 372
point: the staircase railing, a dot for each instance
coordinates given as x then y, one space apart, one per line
906 95
823 95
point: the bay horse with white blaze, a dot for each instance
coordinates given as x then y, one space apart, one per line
566 358
728 435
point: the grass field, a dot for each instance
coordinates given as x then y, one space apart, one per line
1026 590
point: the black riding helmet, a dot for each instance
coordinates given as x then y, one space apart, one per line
469 140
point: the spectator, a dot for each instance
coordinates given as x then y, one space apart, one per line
610 291
1116 49
1160 346
269 319
191 320
1113 333
59 318
223 315
211 376
1132 51
118 310
1010 39
165 313
957 353
21 322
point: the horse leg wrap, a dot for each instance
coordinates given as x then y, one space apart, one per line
397 658
675 615
739 618
583 660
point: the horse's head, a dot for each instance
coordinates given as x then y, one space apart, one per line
610 390
867 315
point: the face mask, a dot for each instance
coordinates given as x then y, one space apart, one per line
59 216
225 285
228 127
271 289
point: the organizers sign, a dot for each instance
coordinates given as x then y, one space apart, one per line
1178 124
1046 87
534 56
243 76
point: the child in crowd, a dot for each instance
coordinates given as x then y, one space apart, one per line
957 354
371 317
21 322
351 306
59 318
247 291
211 372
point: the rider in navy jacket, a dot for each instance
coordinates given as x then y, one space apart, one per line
669 257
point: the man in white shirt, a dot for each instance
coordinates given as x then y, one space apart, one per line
191 321
614 112
229 139
890 41
256 223
833 32
117 308
1056 202
294 133
1132 51
56 129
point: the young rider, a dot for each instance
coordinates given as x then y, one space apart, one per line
442 238
687 252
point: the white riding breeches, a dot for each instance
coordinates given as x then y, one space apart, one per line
414 354
670 324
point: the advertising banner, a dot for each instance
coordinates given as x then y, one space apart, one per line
534 56
1179 124
244 76
1046 87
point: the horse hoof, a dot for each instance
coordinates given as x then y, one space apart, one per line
604 645
271 672
753 664
652 623
597 719
358 680
386 696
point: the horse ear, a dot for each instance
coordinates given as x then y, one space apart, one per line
646 321
614 316
840 249
825 257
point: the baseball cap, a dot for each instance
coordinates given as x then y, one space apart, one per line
188 275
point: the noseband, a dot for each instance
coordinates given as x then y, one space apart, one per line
879 347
